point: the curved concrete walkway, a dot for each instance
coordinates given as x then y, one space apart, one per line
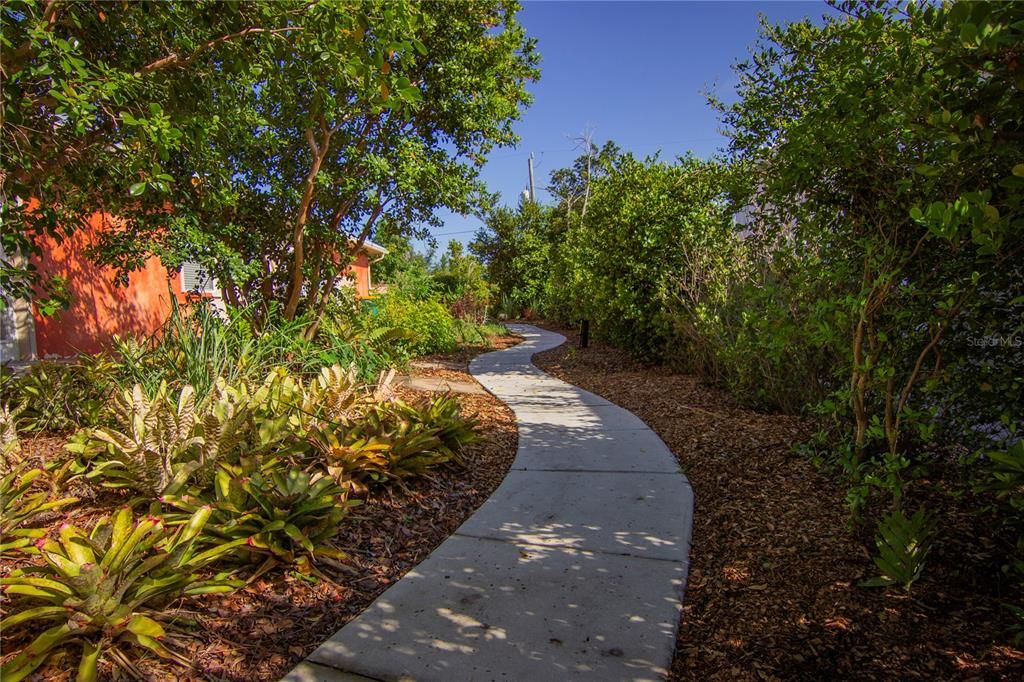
574 568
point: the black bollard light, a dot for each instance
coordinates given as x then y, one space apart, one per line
584 333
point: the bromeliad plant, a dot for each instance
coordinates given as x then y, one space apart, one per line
10 444
163 445
63 396
274 514
394 440
335 392
105 590
338 396
158 451
19 505
444 415
415 446
250 418
351 459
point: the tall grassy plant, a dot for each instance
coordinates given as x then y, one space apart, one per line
199 344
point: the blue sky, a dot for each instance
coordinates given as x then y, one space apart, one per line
632 72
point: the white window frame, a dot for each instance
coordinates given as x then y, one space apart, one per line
196 280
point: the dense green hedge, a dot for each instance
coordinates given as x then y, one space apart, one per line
425 325
857 254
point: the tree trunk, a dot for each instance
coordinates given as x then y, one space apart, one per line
857 390
325 297
294 293
332 278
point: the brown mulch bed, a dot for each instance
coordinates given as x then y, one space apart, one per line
262 631
775 561
455 364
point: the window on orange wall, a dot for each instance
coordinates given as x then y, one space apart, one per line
196 280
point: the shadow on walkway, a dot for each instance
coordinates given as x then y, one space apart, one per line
574 568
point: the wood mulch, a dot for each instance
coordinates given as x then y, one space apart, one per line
265 629
455 365
775 561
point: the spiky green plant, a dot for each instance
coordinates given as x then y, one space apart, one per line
162 446
351 460
444 415
903 545
60 396
274 515
415 446
258 418
392 439
193 348
158 449
19 505
105 590
335 393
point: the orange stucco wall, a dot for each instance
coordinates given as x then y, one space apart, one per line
99 308
360 269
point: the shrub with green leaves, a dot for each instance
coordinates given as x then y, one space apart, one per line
105 591
426 325
350 338
473 334
167 446
248 418
903 545
459 279
1003 476
518 248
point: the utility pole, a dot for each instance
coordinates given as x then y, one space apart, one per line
533 195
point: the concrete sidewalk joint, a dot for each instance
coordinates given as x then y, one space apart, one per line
574 568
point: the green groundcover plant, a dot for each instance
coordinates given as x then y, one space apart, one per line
106 590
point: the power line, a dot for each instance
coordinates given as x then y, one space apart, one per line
649 143
526 154
448 234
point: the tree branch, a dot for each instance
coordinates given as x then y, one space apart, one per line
16 60
174 59
294 291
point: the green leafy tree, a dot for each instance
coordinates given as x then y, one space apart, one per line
643 245
513 245
886 146
264 140
352 123
97 98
